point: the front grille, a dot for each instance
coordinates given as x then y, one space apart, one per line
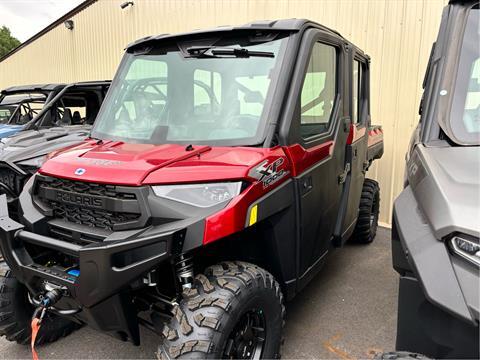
100 206
90 217
86 188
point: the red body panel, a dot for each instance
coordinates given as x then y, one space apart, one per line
137 164
375 136
355 134
142 164
302 158
232 219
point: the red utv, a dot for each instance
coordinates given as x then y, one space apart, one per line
223 167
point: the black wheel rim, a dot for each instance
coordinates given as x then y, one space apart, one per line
247 339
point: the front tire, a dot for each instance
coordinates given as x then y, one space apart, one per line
16 314
234 311
367 222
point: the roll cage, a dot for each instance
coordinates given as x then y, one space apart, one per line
60 101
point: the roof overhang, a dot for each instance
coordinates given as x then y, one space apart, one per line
284 25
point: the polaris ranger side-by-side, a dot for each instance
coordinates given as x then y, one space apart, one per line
223 167
20 104
65 120
436 219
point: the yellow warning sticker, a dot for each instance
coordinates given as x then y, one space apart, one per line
253 215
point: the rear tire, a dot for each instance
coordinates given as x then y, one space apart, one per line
367 222
16 314
234 311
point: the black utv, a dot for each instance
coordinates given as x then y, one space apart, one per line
436 219
64 120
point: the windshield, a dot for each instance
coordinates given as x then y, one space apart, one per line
465 113
176 94
5 113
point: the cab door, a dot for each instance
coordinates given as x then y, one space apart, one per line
318 135
357 142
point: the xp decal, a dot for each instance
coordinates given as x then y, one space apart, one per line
269 172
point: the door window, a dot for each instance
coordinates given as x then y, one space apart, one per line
318 91
357 91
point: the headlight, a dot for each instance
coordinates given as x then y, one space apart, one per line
35 162
199 195
466 248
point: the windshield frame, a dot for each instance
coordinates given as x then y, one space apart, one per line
443 75
270 111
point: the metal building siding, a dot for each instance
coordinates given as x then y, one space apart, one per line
397 34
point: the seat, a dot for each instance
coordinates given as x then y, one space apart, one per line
67 117
24 119
76 118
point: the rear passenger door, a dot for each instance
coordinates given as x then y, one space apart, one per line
357 143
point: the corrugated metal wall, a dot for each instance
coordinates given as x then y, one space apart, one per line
397 34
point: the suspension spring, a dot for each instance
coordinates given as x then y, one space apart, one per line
184 270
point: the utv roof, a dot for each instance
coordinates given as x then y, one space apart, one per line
50 87
90 83
31 88
14 99
288 25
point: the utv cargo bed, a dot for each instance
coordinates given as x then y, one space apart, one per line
375 143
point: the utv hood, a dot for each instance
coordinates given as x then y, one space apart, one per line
446 183
32 143
136 164
8 130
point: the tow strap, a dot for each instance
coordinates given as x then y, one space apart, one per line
48 300
38 316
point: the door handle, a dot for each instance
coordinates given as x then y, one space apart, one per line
343 176
306 185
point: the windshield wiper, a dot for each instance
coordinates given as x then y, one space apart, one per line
216 52
98 141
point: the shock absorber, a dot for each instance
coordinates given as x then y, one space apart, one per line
184 270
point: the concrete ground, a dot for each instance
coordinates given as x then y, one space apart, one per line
347 312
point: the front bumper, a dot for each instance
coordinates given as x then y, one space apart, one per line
106 269
438 304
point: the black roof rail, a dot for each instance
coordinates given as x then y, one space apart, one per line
292 25
32 88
